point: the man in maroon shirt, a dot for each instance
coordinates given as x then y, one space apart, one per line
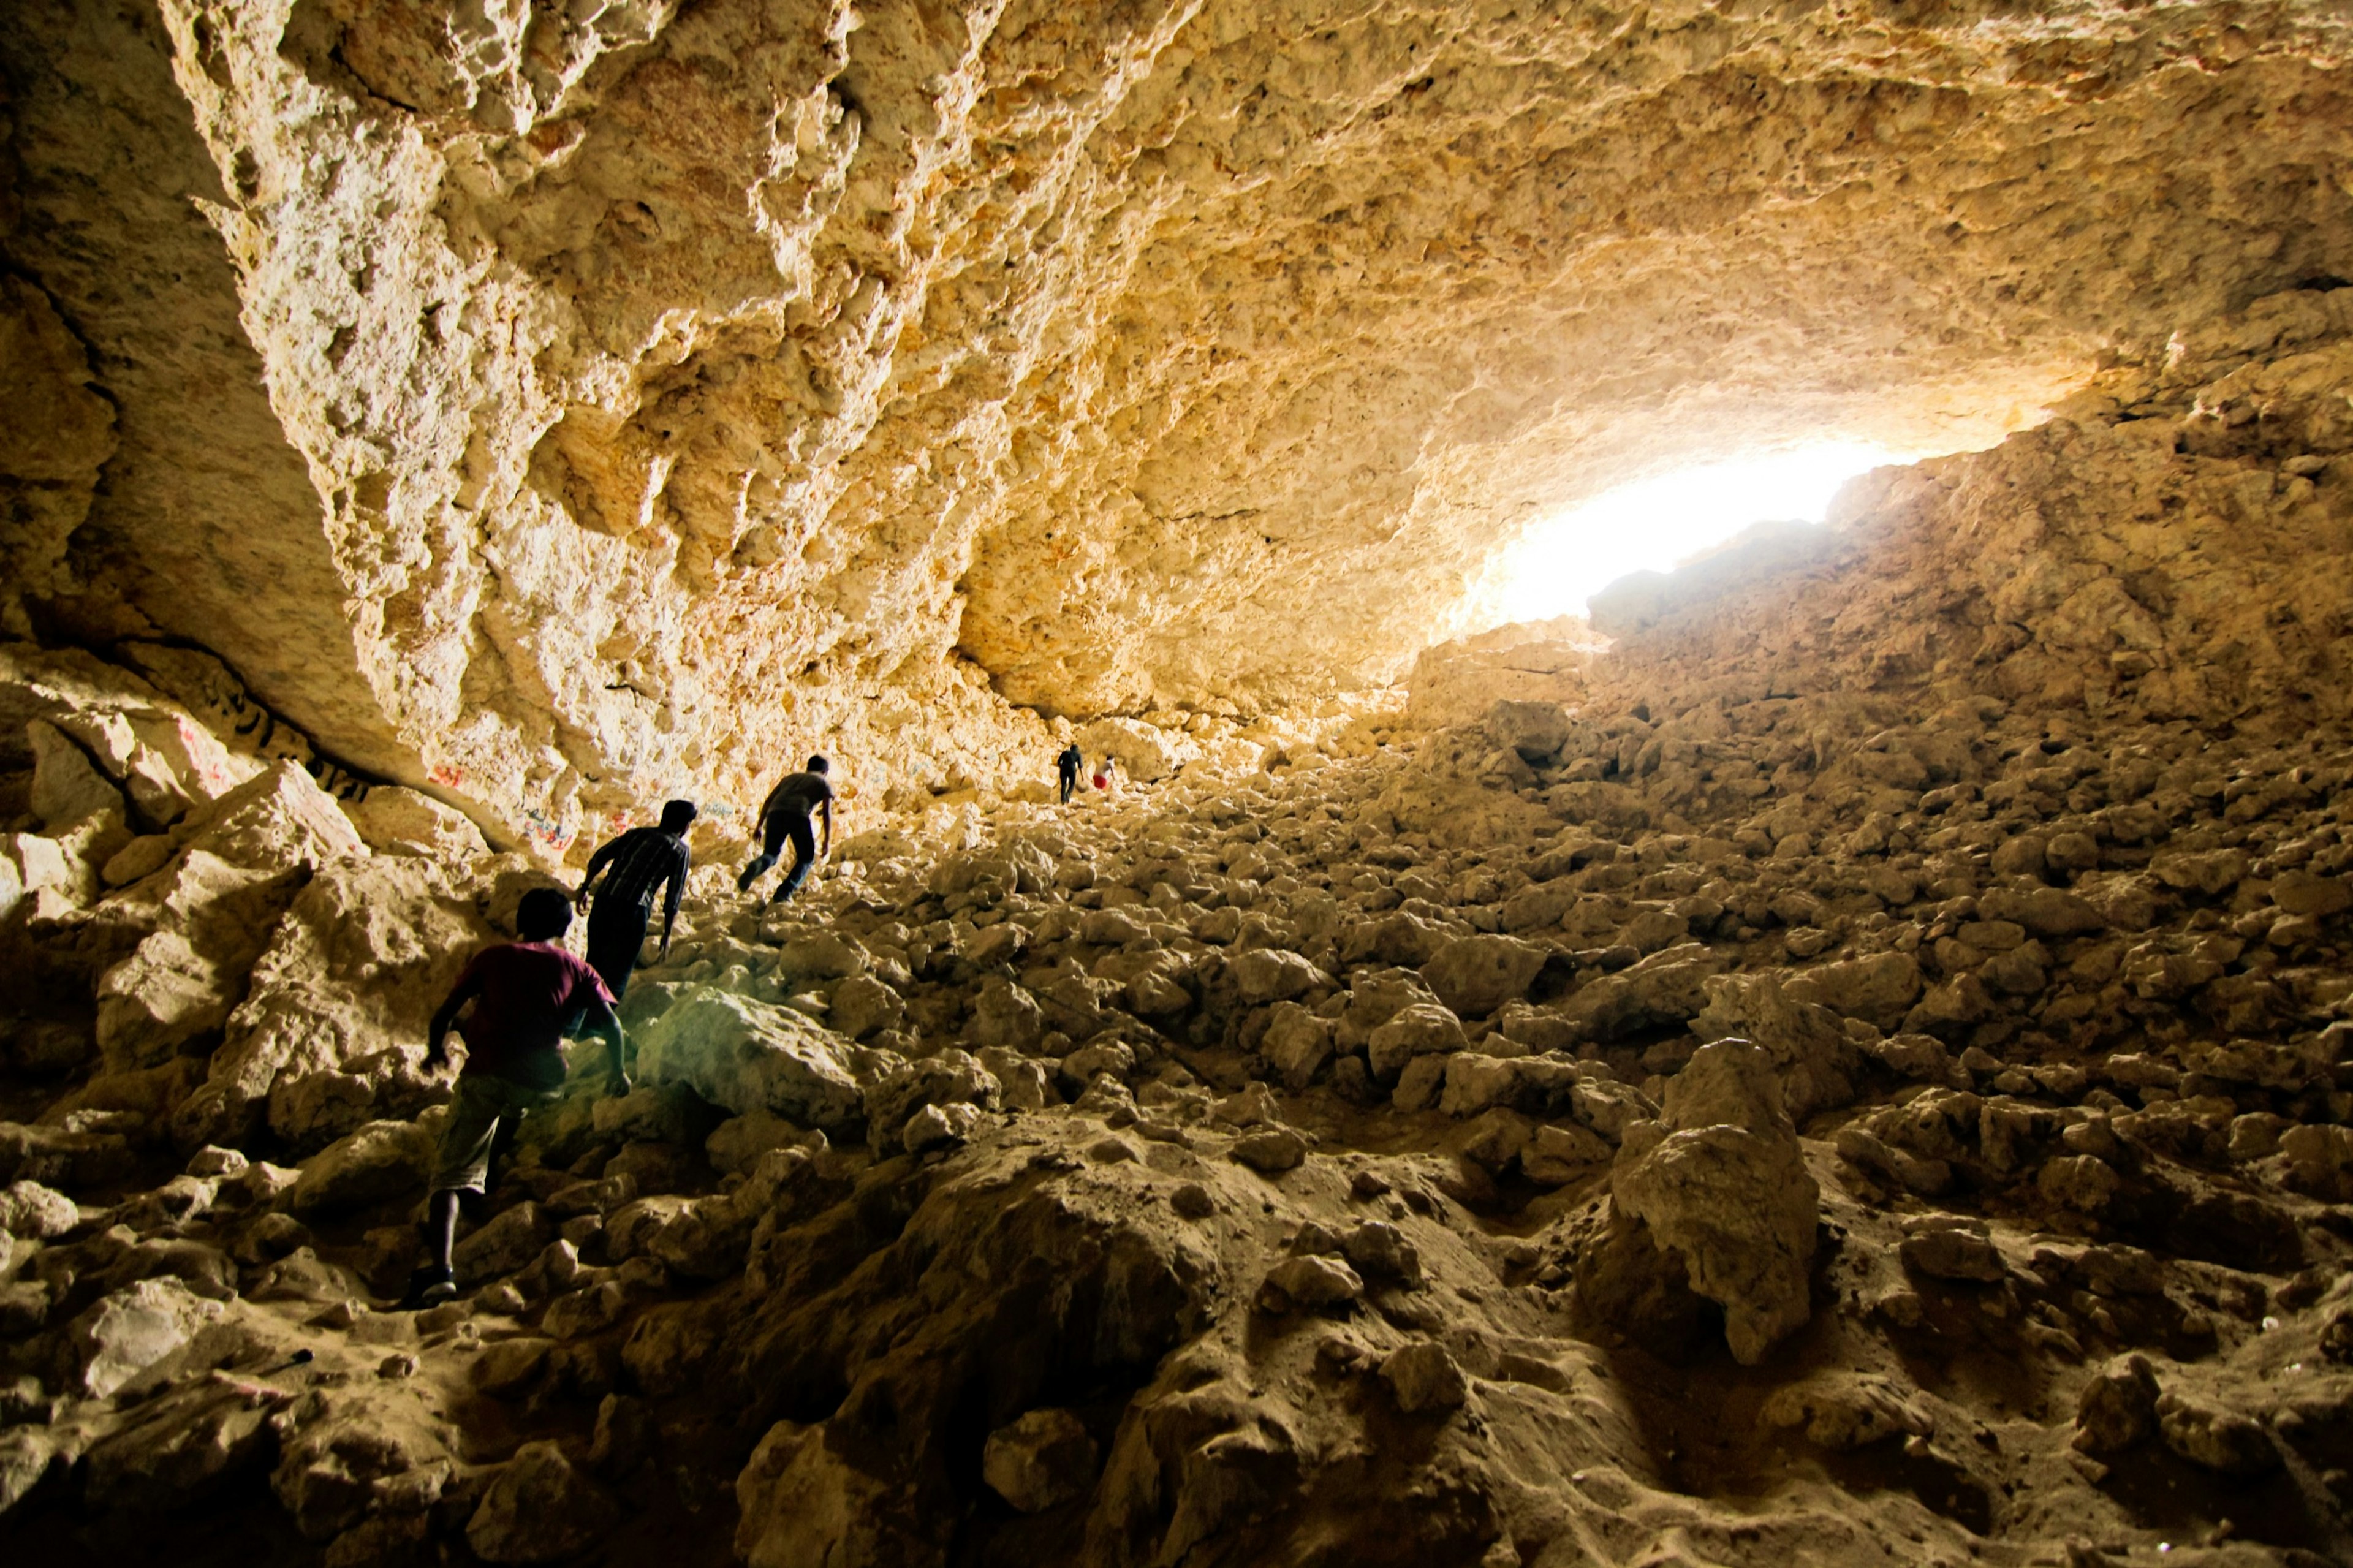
525 995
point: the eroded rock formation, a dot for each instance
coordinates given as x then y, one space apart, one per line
590 398
1855 1071
1843 1056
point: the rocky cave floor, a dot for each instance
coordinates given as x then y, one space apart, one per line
1330 1162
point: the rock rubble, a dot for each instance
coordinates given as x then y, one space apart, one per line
1922 1107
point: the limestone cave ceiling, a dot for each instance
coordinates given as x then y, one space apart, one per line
561 405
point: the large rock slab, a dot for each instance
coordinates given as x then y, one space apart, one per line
1474 975
332 1031
1720 1181
748 1056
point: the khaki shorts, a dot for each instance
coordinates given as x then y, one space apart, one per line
483 1101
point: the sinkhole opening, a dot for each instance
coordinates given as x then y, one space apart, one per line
1668 519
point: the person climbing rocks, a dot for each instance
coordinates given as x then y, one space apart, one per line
520 999
1104 774
1068 764
785 815
636 865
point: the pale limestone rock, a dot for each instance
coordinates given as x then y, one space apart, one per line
1720 1183
31 1209
1424 1377
68 788
391 820
335 1014
381 1160
129 1333
749 1056
950 1079
1272 974
1309 1284
1297 1044
1416 1029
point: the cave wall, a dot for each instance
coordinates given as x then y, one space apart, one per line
558 407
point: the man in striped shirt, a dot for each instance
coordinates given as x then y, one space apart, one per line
636 865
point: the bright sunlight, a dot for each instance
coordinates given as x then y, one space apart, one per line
1653 524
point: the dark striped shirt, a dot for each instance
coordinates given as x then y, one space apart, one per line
642 859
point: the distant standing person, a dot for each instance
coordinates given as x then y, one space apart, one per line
640 863
1069 762
526 996
1104 774
785 815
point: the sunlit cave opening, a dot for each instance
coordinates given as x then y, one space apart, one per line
1657 523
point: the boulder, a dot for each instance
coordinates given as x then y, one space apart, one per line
1477 974
1144 750
1420 1028
1816 1062
392 819
382 1159
1271 974
952 1077
2043 912
1668 988
1042 1461
1297 1044
133 1331
746 1056
2305 894
1536 730
331 1029
1270 1151
863 1006
29 1209
538 1509
1006 1017
1425 1377
1952 1253
1310 1284
938 1127
737 1143
2207 872
166 1464
1375 998
2220 1440
504 1243
1379 1249
1880 988
68 788
1557 1155
801 1502
1719 1180
2117 1406
819 955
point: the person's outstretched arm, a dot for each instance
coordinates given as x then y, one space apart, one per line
677 885
596 864
826 807
599 1020
436 1036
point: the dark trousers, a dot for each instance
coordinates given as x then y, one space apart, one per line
616 932
784 824
1069 780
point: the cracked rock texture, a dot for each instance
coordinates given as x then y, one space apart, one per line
554 407
1846 1055
1851 1061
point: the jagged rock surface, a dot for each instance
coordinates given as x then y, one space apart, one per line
1783 1115
594 396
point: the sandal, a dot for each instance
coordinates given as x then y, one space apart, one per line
430 1287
